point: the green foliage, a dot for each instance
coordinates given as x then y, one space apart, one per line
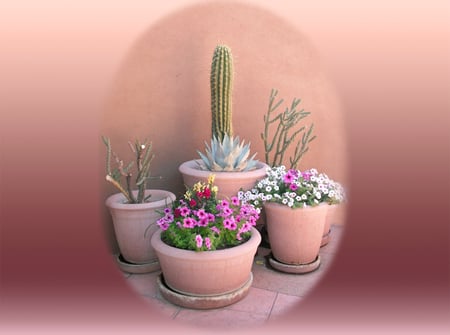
199 221
282 138
144 156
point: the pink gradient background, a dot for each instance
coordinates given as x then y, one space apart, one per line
390 64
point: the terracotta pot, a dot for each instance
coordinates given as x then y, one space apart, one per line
206 273
295 235
328 221
229 183
134 224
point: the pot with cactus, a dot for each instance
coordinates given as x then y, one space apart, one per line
206 248
134 212
226 156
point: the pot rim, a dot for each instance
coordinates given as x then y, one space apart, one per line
201 256
307 208
117 200
191 167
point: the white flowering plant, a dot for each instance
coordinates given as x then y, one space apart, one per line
199 221
294 188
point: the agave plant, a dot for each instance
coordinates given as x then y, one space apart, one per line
227 155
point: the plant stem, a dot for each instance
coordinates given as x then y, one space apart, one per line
281 139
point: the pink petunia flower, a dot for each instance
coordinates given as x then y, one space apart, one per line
185 211
235 201
289 177
203 222
199 241
201 214
189 223
215 229
306 175
226 211
208 243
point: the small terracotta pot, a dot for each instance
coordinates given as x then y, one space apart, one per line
328 221
295 235
206 273
134 224
229 183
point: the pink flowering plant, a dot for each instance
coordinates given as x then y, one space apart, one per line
199 221
294 188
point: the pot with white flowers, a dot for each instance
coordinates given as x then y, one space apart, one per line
206 248
295 204
227 157
135 212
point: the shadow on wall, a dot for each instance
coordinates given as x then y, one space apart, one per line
161 90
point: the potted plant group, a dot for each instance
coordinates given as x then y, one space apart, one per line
296 206
134 212
226 156
206 247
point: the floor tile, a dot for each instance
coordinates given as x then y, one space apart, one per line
265 277
220 319
335 237
283 304
164 307
258 301
144 284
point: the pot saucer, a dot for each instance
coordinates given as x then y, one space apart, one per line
136 268
203 302
297 269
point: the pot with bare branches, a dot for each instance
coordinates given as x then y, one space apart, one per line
135 211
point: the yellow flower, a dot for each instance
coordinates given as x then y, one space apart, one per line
188 195
211 179
214 189
197 187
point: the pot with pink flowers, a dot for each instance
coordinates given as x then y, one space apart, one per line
206 248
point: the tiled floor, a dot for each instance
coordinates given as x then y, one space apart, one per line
271 294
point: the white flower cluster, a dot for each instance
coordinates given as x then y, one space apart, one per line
294 188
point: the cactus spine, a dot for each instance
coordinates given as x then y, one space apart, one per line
221 90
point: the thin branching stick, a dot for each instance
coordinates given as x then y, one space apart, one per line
283 137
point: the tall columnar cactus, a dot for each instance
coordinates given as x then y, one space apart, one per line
221 90
226 152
